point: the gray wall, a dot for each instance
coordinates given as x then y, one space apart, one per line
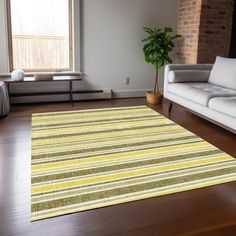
112 34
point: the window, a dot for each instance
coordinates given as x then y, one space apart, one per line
40 37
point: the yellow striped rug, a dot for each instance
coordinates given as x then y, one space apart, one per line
87 159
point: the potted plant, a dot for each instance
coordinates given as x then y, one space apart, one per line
157 48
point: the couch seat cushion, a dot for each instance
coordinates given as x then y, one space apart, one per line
225 105
200 93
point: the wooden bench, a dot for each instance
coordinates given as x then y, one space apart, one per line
8 81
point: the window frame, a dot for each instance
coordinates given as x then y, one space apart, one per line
71 51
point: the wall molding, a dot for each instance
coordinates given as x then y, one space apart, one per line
129 93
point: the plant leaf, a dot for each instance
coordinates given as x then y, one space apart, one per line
158 45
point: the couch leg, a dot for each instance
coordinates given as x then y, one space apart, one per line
170 106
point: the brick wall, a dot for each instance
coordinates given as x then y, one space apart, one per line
215 29
205 26
188 26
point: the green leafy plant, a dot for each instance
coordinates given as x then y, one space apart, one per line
157 48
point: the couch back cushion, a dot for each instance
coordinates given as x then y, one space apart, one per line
224 73
185 76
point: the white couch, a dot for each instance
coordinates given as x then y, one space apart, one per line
205 89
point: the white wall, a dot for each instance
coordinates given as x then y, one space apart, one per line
111 34
3 39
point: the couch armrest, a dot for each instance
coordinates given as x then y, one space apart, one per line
181 76
178 67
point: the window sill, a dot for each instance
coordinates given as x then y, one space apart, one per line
30 74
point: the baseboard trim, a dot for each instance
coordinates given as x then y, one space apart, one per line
81 95
129 93
93 95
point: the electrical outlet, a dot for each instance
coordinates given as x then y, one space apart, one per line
127 80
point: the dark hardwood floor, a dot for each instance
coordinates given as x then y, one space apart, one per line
207 211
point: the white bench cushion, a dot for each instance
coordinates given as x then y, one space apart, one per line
200 93
224 73
225 105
